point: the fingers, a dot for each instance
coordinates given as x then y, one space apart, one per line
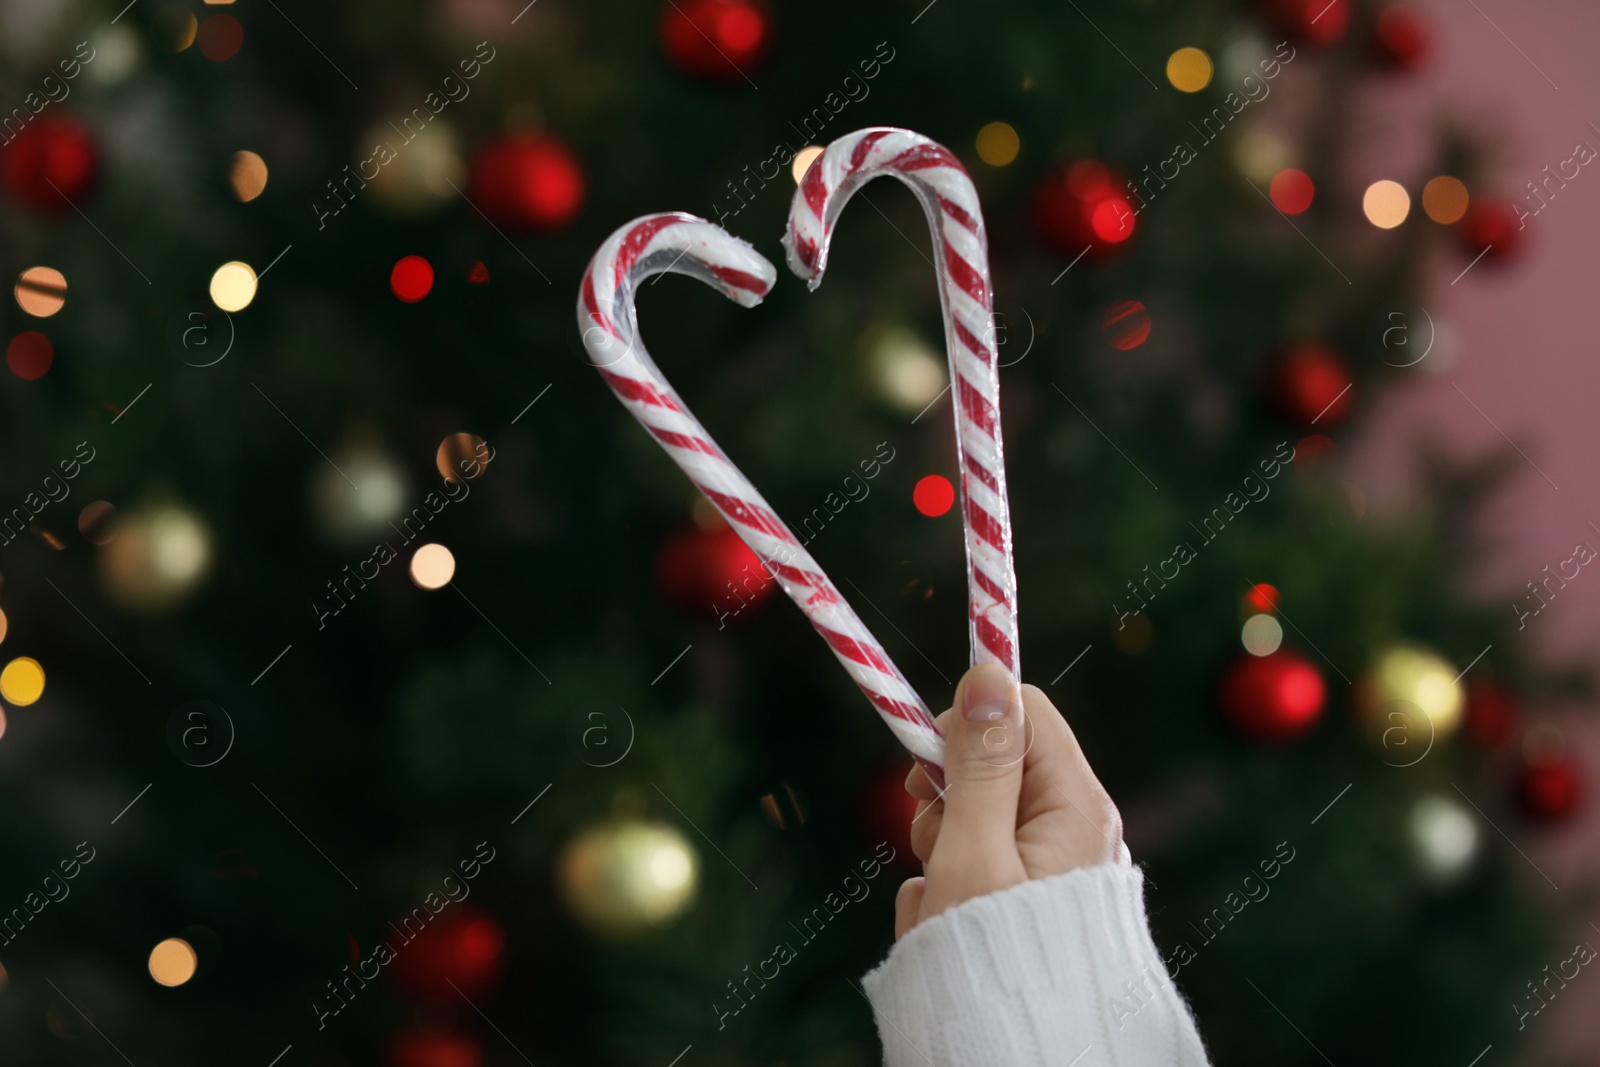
1067 819
925 828
985 740
908 906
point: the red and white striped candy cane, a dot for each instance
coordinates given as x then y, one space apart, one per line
961 253
684 244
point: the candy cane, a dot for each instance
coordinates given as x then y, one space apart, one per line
961 250
684 244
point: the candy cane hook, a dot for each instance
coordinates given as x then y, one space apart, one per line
684 244
961 253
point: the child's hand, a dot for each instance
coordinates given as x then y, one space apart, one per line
1020 800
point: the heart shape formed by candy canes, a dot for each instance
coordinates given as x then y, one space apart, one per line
684 244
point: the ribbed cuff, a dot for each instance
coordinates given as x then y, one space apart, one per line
1055 971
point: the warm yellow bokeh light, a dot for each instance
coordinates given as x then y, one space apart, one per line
22 682
1386 204
803 160
1261 636
432 567
181 30
4 625
41 291
1445 199
233 286
248 175
1189 70
998 144
173 962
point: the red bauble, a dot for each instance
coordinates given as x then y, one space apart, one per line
1083 207
1312 22
1491 225
712 573
51 162
416 1049
1273 698
718 40
1491 715
527 181
1401 37
462 949
890 810
1550 790
1311 385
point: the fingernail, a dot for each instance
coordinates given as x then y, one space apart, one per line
988 695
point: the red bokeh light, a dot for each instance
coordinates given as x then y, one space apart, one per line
220 37
1263 597
1127 325
411 278
934 495
29 355
1292 191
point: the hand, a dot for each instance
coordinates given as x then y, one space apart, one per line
1020 801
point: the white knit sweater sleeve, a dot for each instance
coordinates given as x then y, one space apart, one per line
1053 972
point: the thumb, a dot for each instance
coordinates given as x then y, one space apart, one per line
984 745
908 906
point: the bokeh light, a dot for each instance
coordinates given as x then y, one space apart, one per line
5 624
933 495
29 355
97 522
1189 70
1445 199
221 37
1126 325
1112 219
1263 597
1446 835
175 28
1386 204
41 291
247 175
998 144
173 962
1292 191
233 286
1260 154
22 681
432 566
1261 636
462 457
411 279
907 373
803 160
2 734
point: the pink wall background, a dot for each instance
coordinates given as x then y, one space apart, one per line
1525 352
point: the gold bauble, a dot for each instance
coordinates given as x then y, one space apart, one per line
624 877
1404 680
158 557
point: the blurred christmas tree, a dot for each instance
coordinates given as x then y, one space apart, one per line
293 352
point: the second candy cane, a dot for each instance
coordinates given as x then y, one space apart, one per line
961 255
